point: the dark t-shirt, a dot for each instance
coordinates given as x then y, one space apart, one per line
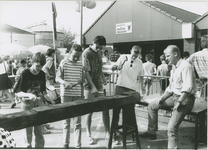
92 61
30 83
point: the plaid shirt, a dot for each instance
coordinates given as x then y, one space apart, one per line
114 57
200 61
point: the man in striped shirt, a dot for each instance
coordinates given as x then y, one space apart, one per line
69 75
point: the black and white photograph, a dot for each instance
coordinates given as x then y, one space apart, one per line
105 74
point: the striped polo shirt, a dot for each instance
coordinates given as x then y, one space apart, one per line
71 72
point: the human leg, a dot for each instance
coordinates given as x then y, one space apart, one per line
39 139
88 118
106 122
66 124
153 107
27 132
77 131
176 119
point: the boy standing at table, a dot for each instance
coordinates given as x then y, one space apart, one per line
69 75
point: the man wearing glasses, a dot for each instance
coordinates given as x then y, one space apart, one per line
130 67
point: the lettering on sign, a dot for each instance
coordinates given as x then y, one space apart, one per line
123 28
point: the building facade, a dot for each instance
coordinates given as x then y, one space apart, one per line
152 25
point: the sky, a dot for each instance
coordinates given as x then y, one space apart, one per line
23 13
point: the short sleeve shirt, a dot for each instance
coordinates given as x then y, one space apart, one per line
30 83
92 62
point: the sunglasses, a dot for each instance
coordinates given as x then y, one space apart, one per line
131 63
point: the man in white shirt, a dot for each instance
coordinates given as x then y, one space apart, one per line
179 95
130 67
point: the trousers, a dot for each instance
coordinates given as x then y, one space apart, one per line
76 124
175 120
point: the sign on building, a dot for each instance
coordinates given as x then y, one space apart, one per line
123 28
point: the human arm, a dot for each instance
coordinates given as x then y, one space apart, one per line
188 85
165 96
60 76
118 65
86 65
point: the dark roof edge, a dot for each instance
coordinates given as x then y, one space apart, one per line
200 18
165 13
99 17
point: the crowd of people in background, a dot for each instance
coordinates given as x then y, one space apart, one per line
36 73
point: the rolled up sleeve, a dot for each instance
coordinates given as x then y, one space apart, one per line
188 79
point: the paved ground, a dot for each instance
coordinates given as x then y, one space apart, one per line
54 139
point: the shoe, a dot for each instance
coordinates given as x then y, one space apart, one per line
77 147
66 146
148 135
13 105
116 142
91 141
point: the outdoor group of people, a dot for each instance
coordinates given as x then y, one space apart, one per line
72 73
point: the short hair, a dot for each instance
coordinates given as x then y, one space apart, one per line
186 54
137 49
162 57
38 58
173 48
50 51
100 40
148 57
76 47
23 61
204 41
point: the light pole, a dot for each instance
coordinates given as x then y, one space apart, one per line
79 8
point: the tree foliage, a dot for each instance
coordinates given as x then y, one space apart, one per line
68 38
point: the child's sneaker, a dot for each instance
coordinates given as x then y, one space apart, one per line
91 141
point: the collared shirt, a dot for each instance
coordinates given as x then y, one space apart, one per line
128 75
182 79
200 61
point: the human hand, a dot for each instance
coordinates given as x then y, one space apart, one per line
67 85
176 106
159 101
119 67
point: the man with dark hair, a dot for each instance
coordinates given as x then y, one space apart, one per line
32 80
186 55
92 62
179 95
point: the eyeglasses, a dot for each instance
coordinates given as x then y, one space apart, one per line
131 63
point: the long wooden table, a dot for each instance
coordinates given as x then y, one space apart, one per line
45 114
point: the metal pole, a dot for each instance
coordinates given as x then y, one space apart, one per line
54 41
81 11
83 72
